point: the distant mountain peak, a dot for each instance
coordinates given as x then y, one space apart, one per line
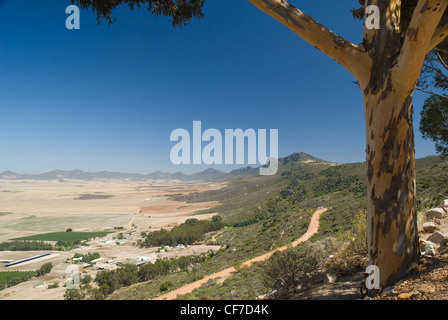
209 174
8 172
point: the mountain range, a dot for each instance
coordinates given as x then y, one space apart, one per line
209 174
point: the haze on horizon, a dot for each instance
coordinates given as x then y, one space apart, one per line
106 98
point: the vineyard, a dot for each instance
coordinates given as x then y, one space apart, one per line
11 278
63 236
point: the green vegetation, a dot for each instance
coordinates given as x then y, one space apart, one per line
188 232
263 213
44 269
54 285
86 279
25 246
434 122
88 257
110 281
64 236
246 284
165 286
11 278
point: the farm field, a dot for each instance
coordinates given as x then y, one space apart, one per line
10 278
99 210
39 207
63 236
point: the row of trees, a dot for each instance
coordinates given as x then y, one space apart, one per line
25 246
11 278
88 257
44 269
129 274
188 232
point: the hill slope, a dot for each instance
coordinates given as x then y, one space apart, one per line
262 213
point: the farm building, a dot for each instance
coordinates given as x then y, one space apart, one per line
138 263
97 260
27 259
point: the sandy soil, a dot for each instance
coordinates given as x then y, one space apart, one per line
312 229
32 207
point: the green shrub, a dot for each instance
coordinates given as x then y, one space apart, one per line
44 269
164 286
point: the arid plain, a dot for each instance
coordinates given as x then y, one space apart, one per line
30 207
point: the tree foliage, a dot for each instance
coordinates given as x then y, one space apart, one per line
180 12
25 246
110 281
188 232
44 269
434 122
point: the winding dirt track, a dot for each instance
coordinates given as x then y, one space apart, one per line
312 229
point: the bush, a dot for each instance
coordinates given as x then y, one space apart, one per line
353 253
44 269
54 285
283 271
164 286
286 270
86 279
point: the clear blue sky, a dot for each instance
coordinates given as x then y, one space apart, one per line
107 97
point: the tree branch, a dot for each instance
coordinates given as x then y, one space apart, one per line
425 19
430 92
349 55
439 35
441 61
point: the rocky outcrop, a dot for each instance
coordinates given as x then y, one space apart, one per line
436 226
430 227
437 213
438 237
444 205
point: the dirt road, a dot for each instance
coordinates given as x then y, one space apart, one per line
312 229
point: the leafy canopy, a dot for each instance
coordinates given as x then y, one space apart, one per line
434 122
180 12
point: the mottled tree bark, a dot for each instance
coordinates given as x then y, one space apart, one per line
392 238
387 66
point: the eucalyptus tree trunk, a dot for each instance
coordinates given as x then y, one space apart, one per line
392 237
386 65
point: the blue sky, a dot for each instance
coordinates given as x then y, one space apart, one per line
107 97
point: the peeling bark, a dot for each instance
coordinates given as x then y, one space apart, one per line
386 66
391 212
